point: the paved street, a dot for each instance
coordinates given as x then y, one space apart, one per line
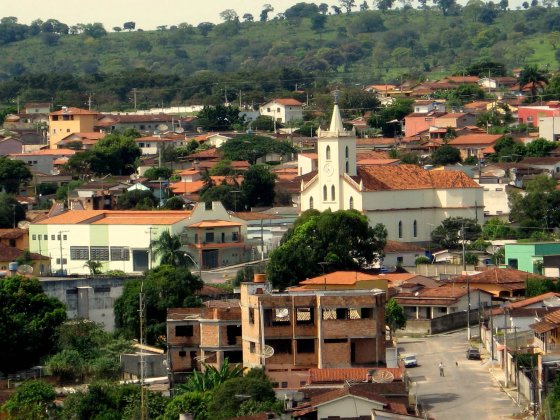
467 391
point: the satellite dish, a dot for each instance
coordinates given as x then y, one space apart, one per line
25 269
23 224
382 377
162 127
268 351
180 130
282 313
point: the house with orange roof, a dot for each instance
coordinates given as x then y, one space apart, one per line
547 333
475 144
455 120
404 198
522 313
43 160
342 280
70 120
85 140
152 145
283 110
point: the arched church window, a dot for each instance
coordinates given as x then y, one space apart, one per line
310 203
347 167
351 203
400 229
328 152
415 229
333 197
347 152
324 193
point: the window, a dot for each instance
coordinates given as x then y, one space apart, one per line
34 237
182 353
235 236
415 229
333 196
209 236
223 237
52 237
99 253
305 345
328 152
304 316
120 253
400 229
400 261
79 253
64 261
347 167
45 237
351 203
311 203
280 345
64 237
324 193
251 315
251 347
184 331
347 152
366 313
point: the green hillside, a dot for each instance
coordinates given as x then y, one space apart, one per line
186 63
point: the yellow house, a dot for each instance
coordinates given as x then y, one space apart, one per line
68 121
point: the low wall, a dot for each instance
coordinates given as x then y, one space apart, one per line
440 324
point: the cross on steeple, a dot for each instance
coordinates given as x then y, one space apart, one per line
336 94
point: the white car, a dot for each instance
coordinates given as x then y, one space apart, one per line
410 361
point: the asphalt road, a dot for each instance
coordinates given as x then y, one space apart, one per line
467 391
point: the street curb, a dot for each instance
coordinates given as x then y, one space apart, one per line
503 388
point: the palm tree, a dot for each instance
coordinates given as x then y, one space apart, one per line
534 78
168 248
210 377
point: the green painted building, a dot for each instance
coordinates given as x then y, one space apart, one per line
529 256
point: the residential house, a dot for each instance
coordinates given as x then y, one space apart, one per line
10 145
213 139
549 127
45 160
455 120
284 110
532 114
307 162
206 335
402 254
86 140
148 123
421 302
496 83
98 195
264 230
16 238
529 257
519 315
153 145
500 282
496 200
405 198
68 121
424 115
477 145
215 238
548 164
547 333
37 108
287 334
40 263
119 240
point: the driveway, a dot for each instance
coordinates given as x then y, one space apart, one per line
467 391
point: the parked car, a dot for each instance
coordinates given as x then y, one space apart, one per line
473 354
410 361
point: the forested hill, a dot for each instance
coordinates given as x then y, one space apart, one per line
361 47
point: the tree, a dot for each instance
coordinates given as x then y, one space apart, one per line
323 8
225 405
258 186
167 248
33 400
13 173
539 148
205 28
136 199
448 235
11 212
229 15
164 287
94 267
26 335
219 117
446 155
343 238
225 194
348 5
211 377
267 8
161 172
174 203
496 228
195 403
222 168
386 116
533 78
248 17
445 6
318 22
251 148
394 316
129 26
95 30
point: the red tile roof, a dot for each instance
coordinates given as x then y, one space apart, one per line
8 253
497 276
411 177
337 375
395 246
468 139
74 111
287 102
533 300
340 278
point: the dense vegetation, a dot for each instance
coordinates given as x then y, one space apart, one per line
302 47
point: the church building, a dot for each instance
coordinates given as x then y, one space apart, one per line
409 200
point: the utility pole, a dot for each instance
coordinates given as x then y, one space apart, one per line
468 285
134 95
142 313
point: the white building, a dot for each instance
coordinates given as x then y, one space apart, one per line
407 199
283 110
549 128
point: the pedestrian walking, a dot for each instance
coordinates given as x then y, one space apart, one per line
441 372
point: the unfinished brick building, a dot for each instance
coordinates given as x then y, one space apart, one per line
311 329
208 334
